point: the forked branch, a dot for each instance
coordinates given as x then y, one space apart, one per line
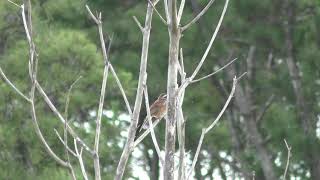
206 130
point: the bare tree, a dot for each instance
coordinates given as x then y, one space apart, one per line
174 119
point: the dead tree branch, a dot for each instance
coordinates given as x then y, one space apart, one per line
288 159
206 130
204 10
128 148
153 136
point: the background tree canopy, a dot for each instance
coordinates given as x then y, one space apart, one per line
253 127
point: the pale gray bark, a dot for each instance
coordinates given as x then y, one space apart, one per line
128 148
172 86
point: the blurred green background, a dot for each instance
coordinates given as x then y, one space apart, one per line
68 46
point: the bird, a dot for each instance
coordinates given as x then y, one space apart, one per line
158 110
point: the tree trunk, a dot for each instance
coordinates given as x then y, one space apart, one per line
172 86
305 117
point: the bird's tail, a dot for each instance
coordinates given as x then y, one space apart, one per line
144 125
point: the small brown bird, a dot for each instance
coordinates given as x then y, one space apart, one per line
158 110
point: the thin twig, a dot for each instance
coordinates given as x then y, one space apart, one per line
138 23
195 72
68 98
211 41
155 9
130 144
204 10
145 133
99 116
64 143
103 88
92 16
288 159
153 136
206 130
79 156
14 3
13 86
215 72
181 122
105 56
195 159
33 72
61 118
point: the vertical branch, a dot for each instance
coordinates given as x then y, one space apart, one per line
181 8
128 148
153 136
181 124
98 122
174 34
79 156
32 72
65 131
204 56
288 160
96 161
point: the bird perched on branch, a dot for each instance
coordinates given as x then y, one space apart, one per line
158 110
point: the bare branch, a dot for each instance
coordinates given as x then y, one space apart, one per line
195 72
183 75
79 156
104 52
288 159
181 8
211 74
57 113
68 98
13 86
103 88
14 3
98 121
195 159
42 139
145 133
235 80
121 89
138 23
204 10
153 136
206 130
211 42
64 143
155 9
166 9
130 144
181 138
97 21
33 72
